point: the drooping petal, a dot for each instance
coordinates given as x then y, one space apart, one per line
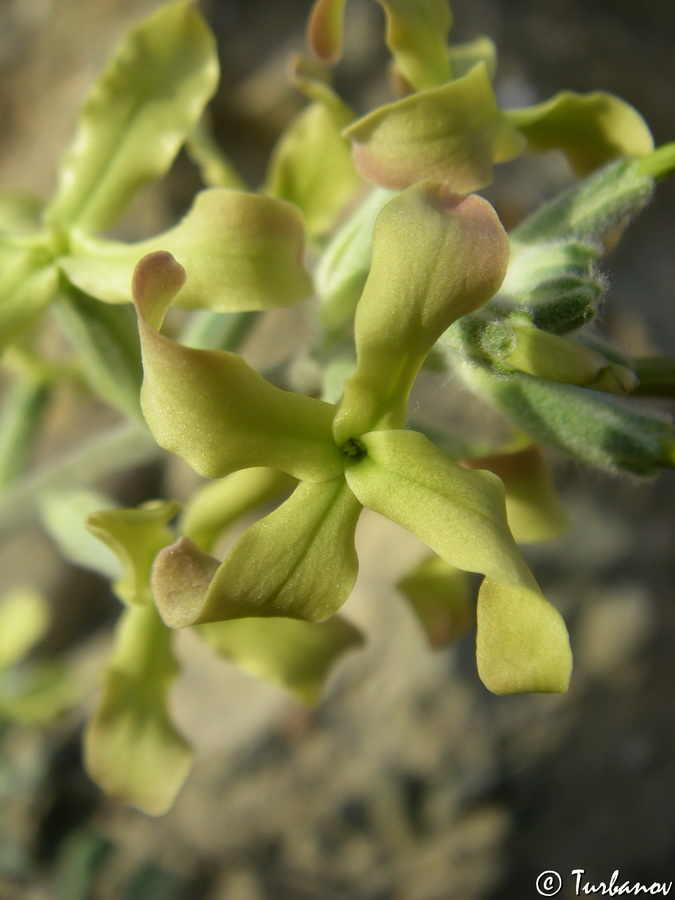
132 748
460 514
436 257
24 620
294 654
297 562
452 133
241 251
136 117
215 411
325 29
440 597
417 37
590 129
135 536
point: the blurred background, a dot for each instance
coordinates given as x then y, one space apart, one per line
410 781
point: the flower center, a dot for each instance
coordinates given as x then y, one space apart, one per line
353 448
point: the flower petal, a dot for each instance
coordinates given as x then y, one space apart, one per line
436 257
294 654
325 29
590 129
136 117
212 409
297 562
132 749
417 37
452 133
241 252
439 595
522 640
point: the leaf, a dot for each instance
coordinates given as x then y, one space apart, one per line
212 409
417 36
132 749
590 129
439 596
241 252
297 562
460 514
135 536
136 117
436 257
28 282
453 133
294 654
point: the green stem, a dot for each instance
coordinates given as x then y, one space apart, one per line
23 404
110 453
657 376
660 163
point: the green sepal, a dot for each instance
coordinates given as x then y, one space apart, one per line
436 257
215 168
533 508
24 620
218 504
294 654
460 514
135 536
28 282
590 129
453 133
132 748
312 166
241 252
212 409
105 339
297 562
417 35
136 117
590 426
439 594
591 209
64 515
558 358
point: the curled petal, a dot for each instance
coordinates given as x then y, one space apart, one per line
436 256
297 562
325 29
241 252
460 514
417 36
212 409
590 129
453 133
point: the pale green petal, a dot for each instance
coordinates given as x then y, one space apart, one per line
294 654
135 536
460 514
590 129
241 251
436 257
297 562
132 749
24 619
217 505
439 595
28 282
312 166
215 411
463 57
452 133
417 36
64 516
325 29
136 117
